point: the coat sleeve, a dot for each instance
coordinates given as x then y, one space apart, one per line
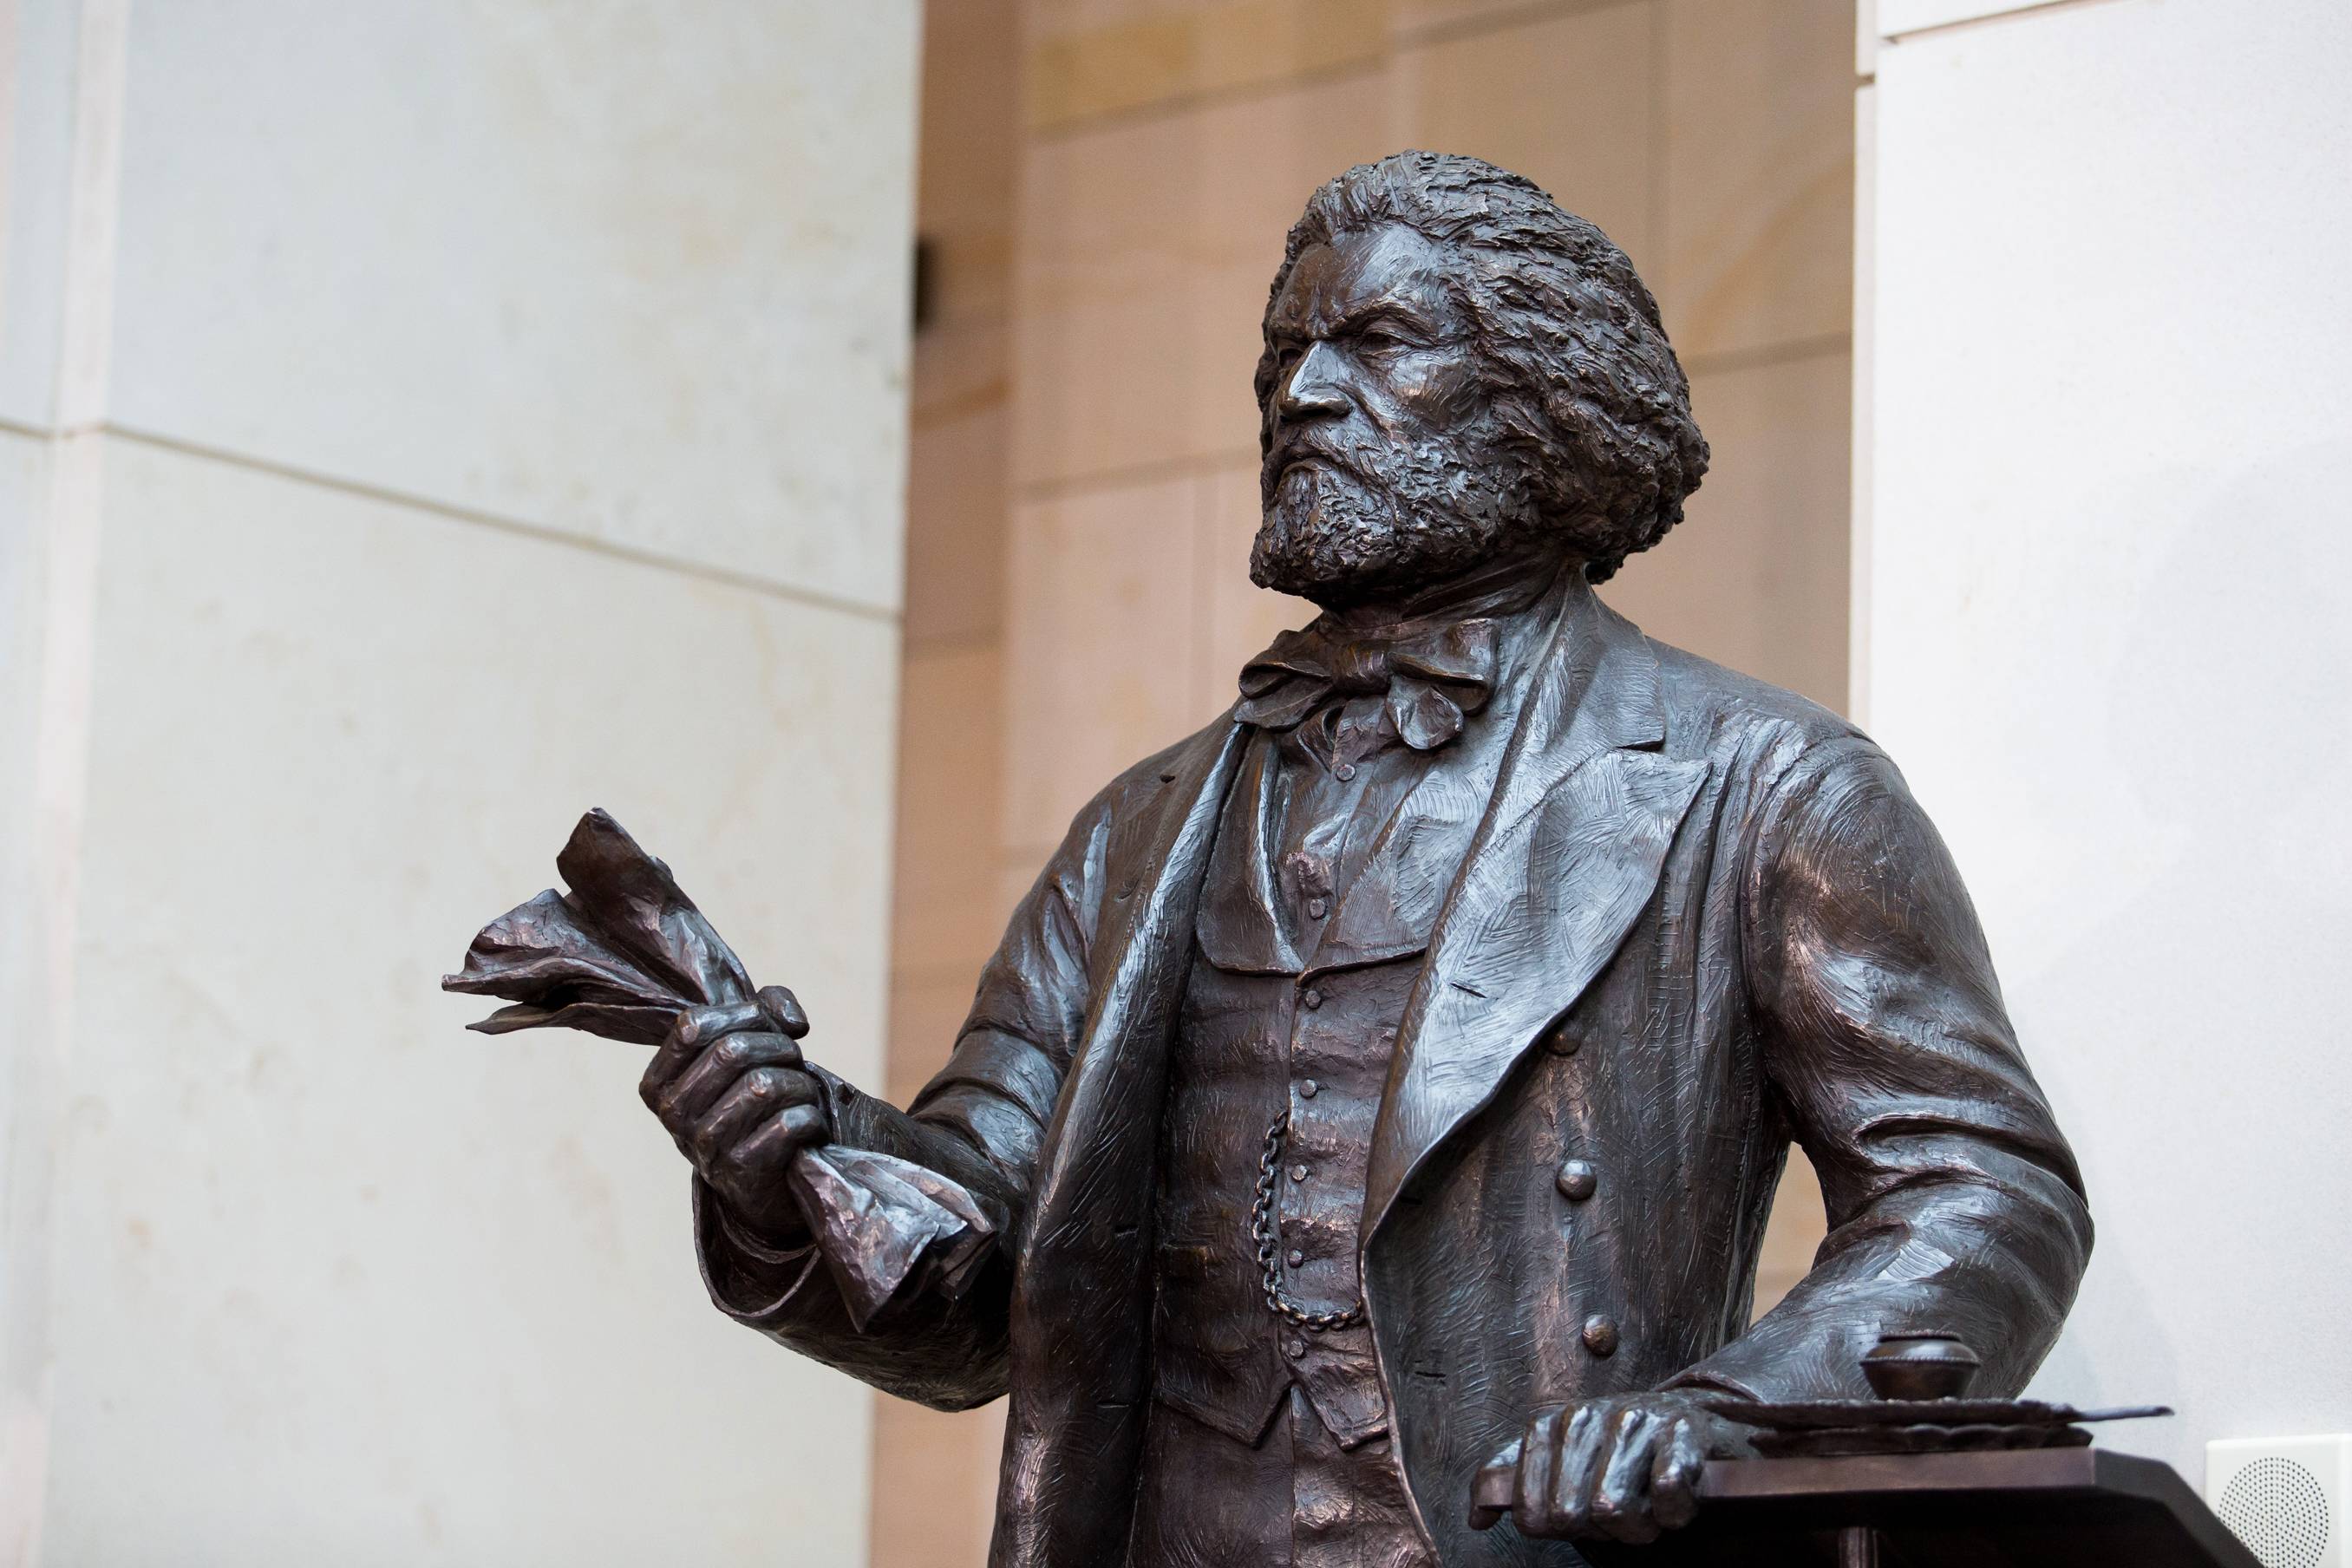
980 1122
1954 1204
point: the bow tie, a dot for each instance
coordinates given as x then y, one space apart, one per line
1432 680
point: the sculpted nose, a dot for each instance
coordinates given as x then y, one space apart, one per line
1314 388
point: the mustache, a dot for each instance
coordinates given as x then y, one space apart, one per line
1302 446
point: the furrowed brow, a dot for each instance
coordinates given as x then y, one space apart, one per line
1389 313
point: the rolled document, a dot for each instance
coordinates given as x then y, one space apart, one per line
621 954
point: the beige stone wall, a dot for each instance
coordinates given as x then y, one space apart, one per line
935 1475
1085 440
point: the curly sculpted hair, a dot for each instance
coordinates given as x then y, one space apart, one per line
1580 373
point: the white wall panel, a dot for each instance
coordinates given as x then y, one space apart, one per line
341 1282
2108 640
503 414
1896 17
633 273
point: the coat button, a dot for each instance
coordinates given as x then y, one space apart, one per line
1312 999
1577 1180
1565 1041
1601 1336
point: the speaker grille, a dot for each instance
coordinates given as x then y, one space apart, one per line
2280 1510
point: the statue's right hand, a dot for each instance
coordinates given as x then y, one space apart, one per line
729 1084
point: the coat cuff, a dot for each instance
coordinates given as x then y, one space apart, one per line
751 1282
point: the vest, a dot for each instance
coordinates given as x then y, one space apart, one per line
1293 1002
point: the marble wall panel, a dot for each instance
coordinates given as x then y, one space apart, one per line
1104 630
1422 18
27 467
926 1014
947 1462
1898 17
1103 351
1093 60
951 718
2108 644
1755 577
46 68
969 149
346 1283
1757 227
1147 247
1793 1236
1238 619
628 273
957 474
1567 99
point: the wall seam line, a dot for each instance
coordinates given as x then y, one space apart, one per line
1995 18
1443 32
1764 354
544 533
1156 470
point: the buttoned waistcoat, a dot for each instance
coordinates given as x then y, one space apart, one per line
1699 917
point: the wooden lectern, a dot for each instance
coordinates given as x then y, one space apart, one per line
2040 1508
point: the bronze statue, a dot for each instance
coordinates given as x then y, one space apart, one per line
1391 1081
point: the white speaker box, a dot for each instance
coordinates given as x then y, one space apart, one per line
2288 1499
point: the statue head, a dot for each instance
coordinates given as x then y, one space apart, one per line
1456 372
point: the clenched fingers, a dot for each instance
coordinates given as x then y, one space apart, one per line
775 1140
752 1099
723 1064
694 1029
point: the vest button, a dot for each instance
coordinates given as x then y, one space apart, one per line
1578 1180
1306 1089
1565 1041
1297 1172
1601 1336
1345 773
1316 906
1312 999
1296 1257
1294 1349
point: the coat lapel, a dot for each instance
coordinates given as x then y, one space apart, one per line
1080 1367
1238 927
1568 855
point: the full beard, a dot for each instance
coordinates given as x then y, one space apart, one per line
1338 535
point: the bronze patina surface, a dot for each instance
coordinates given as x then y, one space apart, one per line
1392 1079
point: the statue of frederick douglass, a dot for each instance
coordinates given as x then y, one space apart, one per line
1392 1078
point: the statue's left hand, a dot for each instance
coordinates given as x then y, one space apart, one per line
1622 1468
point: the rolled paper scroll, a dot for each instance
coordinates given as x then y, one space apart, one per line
621 954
